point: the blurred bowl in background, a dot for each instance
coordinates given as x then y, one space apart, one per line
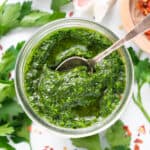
131 15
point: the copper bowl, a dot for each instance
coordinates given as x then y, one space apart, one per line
130 17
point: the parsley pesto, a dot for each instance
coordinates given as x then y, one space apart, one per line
74 98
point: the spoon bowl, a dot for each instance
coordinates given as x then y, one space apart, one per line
74 61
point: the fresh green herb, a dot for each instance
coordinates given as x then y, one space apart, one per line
21 123
5 130
118 148
38 18
4 144
6 90
26 9
8 61
142 76
90 143
57 4
142 71
134 57
114 136
9 110
21 15
9 14
13 121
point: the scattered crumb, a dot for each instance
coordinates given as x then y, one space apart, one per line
136 147
65 148
141 130
29 128
120 27
138 141
1 47
70 14
127 130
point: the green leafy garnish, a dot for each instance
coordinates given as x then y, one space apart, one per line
9 14
5 130
142 71
57 4
8 61
134 57
20 125
4 144
9 110
6 90
22 15
13 121
90 143
115 136
38 18
118 148
25 9
142 76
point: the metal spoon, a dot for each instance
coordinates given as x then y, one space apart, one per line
78 61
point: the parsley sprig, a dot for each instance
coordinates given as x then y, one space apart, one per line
15 15
115 138
13 121
142 77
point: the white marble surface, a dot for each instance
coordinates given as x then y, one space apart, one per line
132 116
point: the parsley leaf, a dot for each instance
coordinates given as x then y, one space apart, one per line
142 67
142 71
116 135
20 124
9 17
57 4
22 15
25 9
9 109
8 60
5 130
38 18
6 90
2 5
90 143
133 55
4 144
118 148
10 112
142 76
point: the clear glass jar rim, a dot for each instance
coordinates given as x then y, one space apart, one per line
42 32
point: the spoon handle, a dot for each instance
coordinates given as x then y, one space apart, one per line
138 29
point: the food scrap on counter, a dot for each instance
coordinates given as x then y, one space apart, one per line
1 47
141 130
127 130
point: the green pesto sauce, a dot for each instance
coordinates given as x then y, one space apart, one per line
74 98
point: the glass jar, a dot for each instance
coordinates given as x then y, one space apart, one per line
19 78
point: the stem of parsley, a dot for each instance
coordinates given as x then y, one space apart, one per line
138 101
30 145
